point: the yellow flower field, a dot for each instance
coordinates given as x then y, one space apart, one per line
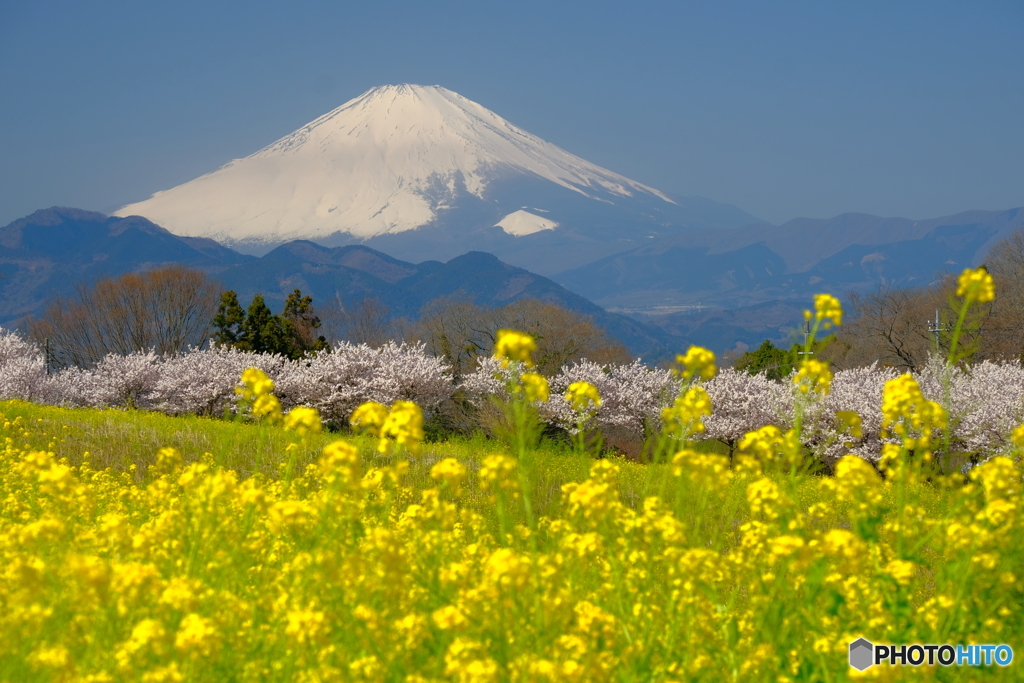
348 573
382 562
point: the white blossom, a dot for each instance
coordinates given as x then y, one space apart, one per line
985 401
741 403
858 390
490 378
336 382
632 396
22 369
203 381
122 381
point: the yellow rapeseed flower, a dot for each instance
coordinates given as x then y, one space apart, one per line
267 406
535 387
193 569
403 425
306 626
147 635
506 568
340 463
449 617
513 345
303 421
583 396
764 443
196 635
813 375
837 542
901 570
907 414
369 417
255 383
850 421
257 388
976 286
1000 478
765 498
498 472
683 417
449 470
697 362
785 546
828 310
704 469
1017 436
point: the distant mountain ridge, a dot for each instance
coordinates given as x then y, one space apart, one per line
720 288
48 252
715 288
421 172
353 273
759 264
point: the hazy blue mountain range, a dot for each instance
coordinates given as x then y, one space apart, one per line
587 230
349 274
711 287
50 251
722 287
760 264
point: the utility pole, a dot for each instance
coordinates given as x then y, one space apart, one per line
936 328
807 339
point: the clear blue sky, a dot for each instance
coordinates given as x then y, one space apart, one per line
785 109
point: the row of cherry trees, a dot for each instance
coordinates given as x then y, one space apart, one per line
203 381
985 401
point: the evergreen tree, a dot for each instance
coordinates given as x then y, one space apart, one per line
298 306
300 323
229 320
778 363
262 331
292 334
773 361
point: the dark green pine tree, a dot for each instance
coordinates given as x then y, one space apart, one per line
229 320
262 331
301 323
297 306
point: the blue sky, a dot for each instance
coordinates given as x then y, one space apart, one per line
785 109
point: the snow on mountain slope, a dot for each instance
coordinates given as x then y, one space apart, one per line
523 222
389 161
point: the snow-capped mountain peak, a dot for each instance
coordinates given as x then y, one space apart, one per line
388 161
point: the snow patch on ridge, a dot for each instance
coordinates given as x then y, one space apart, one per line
521 223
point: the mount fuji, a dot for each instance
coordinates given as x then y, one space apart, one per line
420 172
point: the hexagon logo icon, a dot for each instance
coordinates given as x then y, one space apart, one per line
861 654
